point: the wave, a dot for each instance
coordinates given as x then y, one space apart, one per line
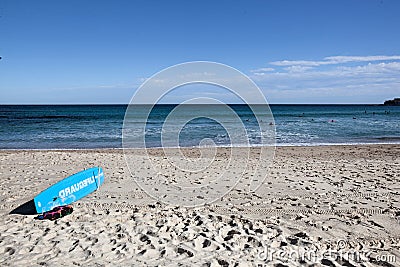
218 146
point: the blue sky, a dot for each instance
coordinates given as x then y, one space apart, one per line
295 51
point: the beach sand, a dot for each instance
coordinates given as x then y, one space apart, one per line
315 200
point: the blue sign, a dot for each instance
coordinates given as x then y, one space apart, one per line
70 189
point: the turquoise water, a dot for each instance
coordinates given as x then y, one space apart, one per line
100 126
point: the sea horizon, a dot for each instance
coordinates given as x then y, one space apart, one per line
100 126
163 104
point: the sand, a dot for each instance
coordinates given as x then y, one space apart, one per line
324 205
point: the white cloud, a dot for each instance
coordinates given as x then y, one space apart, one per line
377 67
262 70
297 62
346 59
334 60
332 78
297 68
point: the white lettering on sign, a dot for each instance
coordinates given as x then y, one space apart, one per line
75 187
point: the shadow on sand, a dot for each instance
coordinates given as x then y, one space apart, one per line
28 208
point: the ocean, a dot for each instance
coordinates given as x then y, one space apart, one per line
100 126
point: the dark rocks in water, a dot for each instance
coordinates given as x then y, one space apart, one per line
393 102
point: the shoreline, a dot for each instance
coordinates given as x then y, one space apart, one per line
196 147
